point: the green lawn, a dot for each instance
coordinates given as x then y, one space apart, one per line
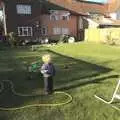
91 69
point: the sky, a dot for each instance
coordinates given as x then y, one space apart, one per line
99 1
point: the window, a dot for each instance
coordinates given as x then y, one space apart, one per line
54 17
81 23
25 31
65 17
56 31
65 31
59 15
23 9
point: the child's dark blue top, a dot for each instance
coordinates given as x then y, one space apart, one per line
48 70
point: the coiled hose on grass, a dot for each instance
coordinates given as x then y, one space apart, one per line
33 105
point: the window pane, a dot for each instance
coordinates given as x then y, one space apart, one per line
24 31
19 31
65 31
56 31
29 31
23 9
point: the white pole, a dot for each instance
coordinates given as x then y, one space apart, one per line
4 18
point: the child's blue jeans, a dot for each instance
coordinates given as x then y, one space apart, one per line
48 84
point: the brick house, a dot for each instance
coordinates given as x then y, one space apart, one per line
33 20
19 17
58 22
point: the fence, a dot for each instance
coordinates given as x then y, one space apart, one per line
106 35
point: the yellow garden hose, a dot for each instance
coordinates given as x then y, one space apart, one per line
34 105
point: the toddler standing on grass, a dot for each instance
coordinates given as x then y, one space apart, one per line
48 71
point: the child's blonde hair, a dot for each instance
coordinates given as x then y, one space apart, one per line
46 58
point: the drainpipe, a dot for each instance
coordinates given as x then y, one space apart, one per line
78 28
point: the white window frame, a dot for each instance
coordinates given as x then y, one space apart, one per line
23 9
25 29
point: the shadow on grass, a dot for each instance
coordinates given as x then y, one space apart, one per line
76 72
71 73
9 98
4 117
94 81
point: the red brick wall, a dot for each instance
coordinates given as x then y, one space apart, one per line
71 24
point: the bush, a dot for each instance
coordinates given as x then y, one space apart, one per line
65 38
13 39
59 39
109 39
112 39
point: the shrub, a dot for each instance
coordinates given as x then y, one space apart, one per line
13 39
59 39
112 39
